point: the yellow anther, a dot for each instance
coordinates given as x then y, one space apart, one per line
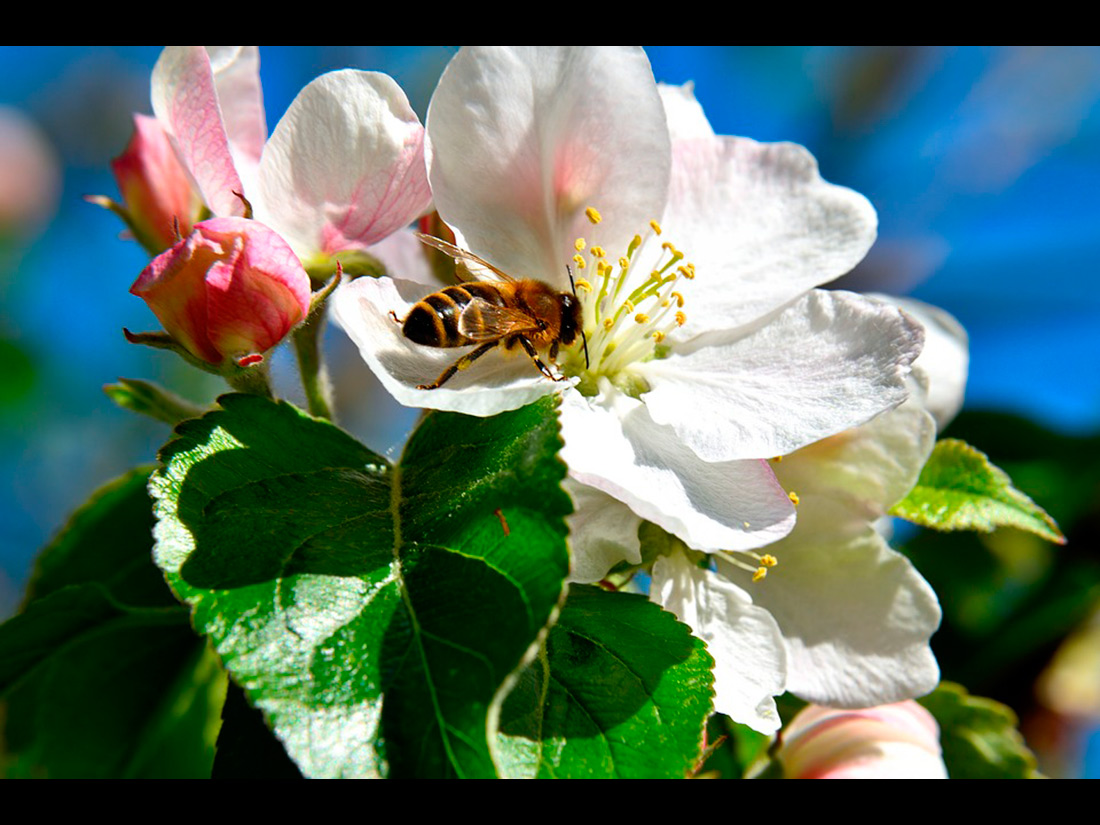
629 305
746 524
635 242
793 496
641 318
681 319
668 246
760 573
658 336
679 298
597 251
579 261
624 263
579 244
768 560
656 227
583 284
688 271
665 302
593 215
608 323
777 459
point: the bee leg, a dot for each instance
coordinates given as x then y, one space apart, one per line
461 364
545 370
554 353
393 315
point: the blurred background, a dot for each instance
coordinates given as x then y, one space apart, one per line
983 164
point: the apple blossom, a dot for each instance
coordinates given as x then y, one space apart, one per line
231 290
897 741
343 169
696 258
159 197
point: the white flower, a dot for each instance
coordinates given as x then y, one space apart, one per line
848 619
678 405
343 170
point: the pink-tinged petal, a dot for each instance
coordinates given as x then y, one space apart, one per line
897 741
232 288
237 81
156 189
612 444
344 168
827 362
749 659
686 120
602 533
761 227
498 381
406 258
523 139
185 101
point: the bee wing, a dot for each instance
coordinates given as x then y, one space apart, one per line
482 321
463 256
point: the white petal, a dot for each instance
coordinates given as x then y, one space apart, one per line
523 139
186 103
749 657
867 469
497 382
404 257
686 120
602 531
856 616
761 227
944 362
237 80
829 361
345 166
612 444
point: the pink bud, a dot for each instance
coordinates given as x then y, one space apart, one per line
900 741
155 187
232 289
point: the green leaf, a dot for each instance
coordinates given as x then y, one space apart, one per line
621 689
373 613
959 489
979 736
101 674
107 541
95 689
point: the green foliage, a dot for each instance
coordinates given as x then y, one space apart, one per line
621 690
101 675
960 489
978 736
373 613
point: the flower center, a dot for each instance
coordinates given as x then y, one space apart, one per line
627 312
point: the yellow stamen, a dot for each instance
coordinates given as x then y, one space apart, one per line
579 244
760 573
641 318
681 319
608 323
583 284
597 251
679 298
629 306
793 496
593 215
624 263
656 227
579 261
768 560
658 336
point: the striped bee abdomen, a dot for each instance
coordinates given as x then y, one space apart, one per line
433 322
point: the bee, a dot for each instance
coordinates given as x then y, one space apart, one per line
508 312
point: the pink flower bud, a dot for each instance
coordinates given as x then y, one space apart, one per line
155 187
232 289
900 741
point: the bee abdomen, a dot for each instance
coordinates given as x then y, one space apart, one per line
433 322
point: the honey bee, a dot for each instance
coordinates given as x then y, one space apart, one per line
508 312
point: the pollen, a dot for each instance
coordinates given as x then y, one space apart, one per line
768 560
681 319
760 573
679 298
578 259
658 336
641 318
593 215
656 227
583 284
597 252
793 496
608 323
579 244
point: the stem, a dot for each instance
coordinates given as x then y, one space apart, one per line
253 380
315 381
